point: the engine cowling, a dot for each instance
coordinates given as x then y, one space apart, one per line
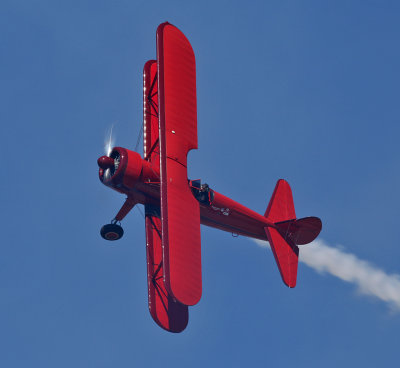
123 168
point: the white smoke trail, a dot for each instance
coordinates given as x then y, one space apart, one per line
369 279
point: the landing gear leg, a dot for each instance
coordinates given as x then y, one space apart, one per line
114 231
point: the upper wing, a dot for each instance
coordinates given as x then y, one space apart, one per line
180 212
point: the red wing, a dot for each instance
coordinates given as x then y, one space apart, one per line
180 212
151 151
166 312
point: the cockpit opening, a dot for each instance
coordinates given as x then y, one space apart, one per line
202 192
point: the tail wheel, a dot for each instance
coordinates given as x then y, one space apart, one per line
111 232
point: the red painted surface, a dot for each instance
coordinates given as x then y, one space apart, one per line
226 214
175 208
166 312
286 253
126 207
301 231
128 167
180 212
105 162
151 150
281 206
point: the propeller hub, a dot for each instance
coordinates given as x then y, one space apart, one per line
105 162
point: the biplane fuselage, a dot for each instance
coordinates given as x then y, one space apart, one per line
216 210
176 206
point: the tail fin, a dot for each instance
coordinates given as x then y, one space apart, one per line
281 206
288 231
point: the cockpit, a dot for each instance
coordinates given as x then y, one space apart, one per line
202 192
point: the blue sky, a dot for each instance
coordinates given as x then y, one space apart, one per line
306 91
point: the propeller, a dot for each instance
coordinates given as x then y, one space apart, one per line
108 164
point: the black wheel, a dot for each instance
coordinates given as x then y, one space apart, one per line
111 232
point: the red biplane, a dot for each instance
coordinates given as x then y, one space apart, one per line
175 206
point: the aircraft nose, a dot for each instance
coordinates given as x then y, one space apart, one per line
105 162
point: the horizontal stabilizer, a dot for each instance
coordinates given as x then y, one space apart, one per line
301 231
288 232
286 255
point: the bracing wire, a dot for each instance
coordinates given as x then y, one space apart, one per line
139 138
140 211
